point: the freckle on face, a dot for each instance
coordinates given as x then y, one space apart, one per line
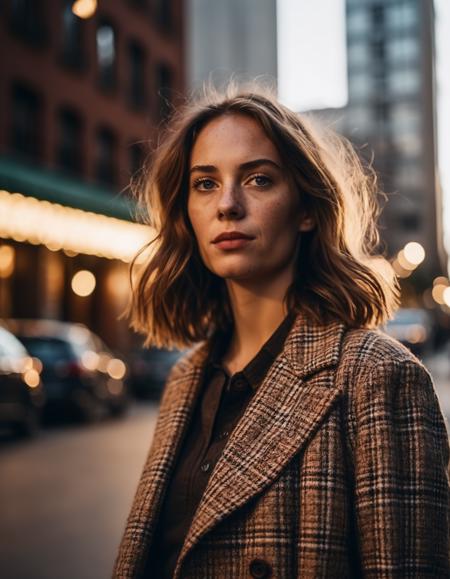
271 215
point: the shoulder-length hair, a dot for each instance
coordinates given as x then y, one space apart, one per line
176 300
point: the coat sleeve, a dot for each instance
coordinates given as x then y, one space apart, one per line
400 456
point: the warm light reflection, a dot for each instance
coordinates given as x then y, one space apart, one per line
399 270
114 386
441 280
58 227
7 259
404 262
414 253
31 378
438 293
103 362
84 8
446 296
83 283
89 359
116 369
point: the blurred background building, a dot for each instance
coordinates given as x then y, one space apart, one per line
82 89
391 117
86 84
391 114
232 38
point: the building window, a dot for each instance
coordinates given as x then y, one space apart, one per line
403 82
137 66
377 12
164 84
408 176
360 118
105 167
137 157
358 23
106 55
69 141
28 20
410 222
402 16
162 10
25 122
73 55
359 55
406 117
403 50
361 85
141 4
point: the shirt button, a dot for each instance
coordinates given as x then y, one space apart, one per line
238 386
223 434
205 466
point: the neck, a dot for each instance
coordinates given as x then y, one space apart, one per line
257 312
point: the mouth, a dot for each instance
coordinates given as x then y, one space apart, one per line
231 236
232 240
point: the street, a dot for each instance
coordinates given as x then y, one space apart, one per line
65 495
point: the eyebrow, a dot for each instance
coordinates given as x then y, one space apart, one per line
244 166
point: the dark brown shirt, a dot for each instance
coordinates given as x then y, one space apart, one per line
221 403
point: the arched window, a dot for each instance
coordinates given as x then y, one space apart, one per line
106 55
26 121
73 54
68 154
106 151
136 66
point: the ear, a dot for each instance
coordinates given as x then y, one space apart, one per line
307 223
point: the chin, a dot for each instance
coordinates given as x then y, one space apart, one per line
235 272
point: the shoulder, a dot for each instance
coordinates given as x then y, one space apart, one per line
381 379
374 364
193 358
364 349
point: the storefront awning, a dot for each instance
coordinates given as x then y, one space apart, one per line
19 177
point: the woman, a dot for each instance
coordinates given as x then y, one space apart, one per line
296 440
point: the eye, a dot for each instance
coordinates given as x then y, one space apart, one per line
261 180
203 184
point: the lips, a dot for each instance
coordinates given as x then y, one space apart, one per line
231 235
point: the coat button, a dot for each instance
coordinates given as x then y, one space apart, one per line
260 569
205 466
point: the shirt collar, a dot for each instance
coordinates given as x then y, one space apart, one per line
258 366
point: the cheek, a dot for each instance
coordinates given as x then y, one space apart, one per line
280 221
199 224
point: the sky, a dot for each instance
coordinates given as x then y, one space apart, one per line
312 68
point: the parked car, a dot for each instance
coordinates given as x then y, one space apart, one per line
22 395
149 369
79 372
413 327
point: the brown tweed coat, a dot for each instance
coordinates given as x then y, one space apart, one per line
337 469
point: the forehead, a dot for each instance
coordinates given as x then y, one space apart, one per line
232 137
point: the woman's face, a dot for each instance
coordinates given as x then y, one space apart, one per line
245 214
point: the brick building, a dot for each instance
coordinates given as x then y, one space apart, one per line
79 99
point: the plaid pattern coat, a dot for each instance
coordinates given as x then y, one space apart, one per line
337 469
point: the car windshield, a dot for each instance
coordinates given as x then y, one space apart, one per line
49 350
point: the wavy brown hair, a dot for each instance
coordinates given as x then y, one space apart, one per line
340 275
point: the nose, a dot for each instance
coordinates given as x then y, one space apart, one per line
231 204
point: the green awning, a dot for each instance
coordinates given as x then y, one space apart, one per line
20 177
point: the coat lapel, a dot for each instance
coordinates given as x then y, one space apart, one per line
175 413
286 410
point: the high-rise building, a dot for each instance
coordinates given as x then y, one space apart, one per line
392 106
79 97
391 113
232 38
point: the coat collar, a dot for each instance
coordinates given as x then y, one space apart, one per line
284 413
309 347
279 420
